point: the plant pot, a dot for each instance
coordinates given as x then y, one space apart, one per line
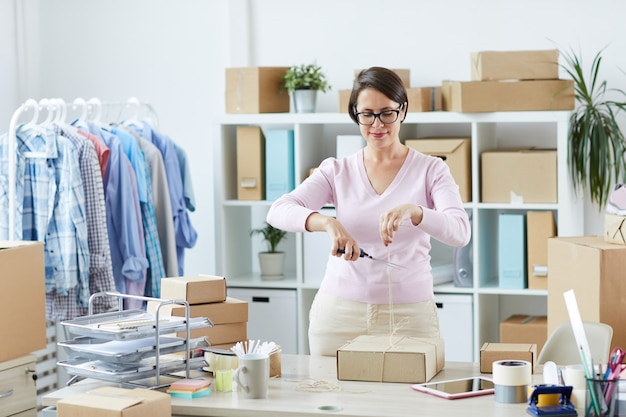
304 101
272 265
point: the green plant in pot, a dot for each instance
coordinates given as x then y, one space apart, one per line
303 82
596 144
272 261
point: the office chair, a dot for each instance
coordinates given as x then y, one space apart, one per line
562 349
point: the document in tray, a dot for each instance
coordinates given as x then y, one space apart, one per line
132 324
119 347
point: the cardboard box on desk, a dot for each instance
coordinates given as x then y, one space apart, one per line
515 65
523 328
491 352
615 228
194 289
256 90
518 175
232 310
456 152
386 358
221 334
492 96
22 298
116 402
594 269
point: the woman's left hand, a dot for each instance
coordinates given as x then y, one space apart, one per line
391 220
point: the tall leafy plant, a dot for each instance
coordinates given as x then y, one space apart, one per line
597 146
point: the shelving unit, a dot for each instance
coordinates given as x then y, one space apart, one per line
315 139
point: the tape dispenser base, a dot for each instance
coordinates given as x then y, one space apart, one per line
564 408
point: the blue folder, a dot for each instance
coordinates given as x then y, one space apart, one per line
279 163
512 251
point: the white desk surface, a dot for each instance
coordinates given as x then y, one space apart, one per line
352 397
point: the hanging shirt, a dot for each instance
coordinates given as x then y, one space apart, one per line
128 253
188 194
100 266
53 208
186 235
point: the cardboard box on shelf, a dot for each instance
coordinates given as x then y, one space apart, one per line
594 269
515 65
385 358
344 100
540 226
525 175
493 96
250 163
22 298
197 289
230 311
523 328
615 228
116 402
423 99
256 90
456 152
491 352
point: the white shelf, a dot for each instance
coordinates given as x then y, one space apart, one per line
315 139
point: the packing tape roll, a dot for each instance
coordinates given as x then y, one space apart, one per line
511 380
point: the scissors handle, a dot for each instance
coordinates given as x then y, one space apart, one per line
362 253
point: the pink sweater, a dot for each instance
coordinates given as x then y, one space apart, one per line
422 180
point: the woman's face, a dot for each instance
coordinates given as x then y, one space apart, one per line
379 134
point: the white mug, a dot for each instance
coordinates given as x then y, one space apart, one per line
253 375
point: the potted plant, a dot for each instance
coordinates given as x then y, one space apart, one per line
596 144
272 261
303 82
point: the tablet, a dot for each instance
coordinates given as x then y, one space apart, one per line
457 388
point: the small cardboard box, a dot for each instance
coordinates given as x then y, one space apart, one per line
116 402
615 228
250 163
594 269
519 176
22 298
221 334
423 99
491 352
522 328
540 226
256 90
385 358
493 96
344 100
456 152
230 311
515 65
194 289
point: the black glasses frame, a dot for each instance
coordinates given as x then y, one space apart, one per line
377 116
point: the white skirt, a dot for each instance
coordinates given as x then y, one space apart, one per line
333 321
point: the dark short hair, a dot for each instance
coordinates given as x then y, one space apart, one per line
382 79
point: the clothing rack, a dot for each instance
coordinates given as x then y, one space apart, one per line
57 111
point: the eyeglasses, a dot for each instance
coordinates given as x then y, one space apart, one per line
367 118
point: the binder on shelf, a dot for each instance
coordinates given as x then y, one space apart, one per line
279 163
512 251
540 227
250 163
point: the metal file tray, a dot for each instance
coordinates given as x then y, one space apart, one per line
91 325
130 351
107 371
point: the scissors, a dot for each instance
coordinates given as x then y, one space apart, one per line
363 254
615 367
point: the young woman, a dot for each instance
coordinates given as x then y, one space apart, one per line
389 200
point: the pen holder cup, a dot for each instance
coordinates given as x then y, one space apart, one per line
601 399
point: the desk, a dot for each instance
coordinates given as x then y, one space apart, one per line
355 398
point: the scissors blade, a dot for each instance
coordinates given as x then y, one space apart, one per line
364 254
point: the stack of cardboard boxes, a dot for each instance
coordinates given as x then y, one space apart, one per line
510 81
206 295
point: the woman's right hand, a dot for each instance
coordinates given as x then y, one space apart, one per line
339 236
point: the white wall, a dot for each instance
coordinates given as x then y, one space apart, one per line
173 54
